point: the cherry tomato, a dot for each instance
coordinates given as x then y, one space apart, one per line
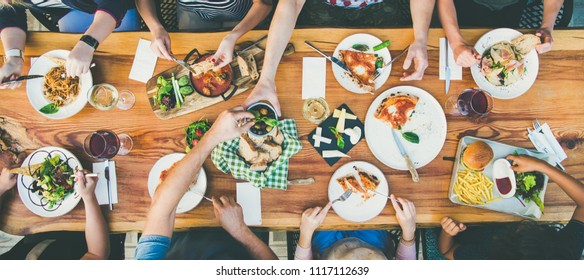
195 142
198 132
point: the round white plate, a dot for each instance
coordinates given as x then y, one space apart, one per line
428 121
34 87
191 198
346 44
516 89
31 200
355 209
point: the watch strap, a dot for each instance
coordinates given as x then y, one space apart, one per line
92 42
14 53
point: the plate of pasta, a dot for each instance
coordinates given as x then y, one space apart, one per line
57 96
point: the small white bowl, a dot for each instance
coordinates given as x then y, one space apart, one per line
502 169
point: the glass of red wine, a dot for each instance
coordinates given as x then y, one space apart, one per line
473 103
105 144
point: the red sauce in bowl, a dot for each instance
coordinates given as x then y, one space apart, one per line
504 185
213 83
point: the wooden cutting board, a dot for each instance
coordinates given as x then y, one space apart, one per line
196 101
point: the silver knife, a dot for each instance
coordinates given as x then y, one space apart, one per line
404 154
252 44
301 182
380 194
334 60
447 68
183 64
109 192
22 78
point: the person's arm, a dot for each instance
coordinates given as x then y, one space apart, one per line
13 36
258 12
7 182
230 215
96 229
421 11
279 34
551 8
81 56
160 44
312 218
464 55
160 220
570 185
446 243
405 212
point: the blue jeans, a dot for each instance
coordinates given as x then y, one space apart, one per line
377 238
78 22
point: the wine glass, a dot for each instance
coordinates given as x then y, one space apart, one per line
105 144
474 103
106 96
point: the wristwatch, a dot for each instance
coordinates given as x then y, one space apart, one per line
92 42
13 53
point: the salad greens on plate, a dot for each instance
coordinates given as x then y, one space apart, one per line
53 180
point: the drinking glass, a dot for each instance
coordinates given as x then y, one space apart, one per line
105 144
315 110
473 103
105 97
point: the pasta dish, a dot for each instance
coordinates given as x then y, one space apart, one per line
59 88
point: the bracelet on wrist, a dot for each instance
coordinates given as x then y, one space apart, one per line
408 242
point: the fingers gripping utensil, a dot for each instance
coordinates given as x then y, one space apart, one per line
344 196
380 71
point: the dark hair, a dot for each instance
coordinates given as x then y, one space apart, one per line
528 240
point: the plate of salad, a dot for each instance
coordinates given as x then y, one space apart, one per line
194 132
171 92
50 190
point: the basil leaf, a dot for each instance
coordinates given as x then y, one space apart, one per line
334 130
383 45
340 142
50 108
411 137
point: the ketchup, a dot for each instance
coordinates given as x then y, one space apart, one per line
504 185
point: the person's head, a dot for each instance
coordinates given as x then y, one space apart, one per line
352 248
530 241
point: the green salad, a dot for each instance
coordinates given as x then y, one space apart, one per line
53 181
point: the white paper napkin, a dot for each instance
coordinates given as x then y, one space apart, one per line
544 141
455 70
313 77
101 188
249 197
144 62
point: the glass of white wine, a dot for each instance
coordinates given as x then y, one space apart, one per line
106 96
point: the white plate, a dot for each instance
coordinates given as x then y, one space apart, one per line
32 201
428 121
190 199
34 87
346 44
355 209
509 205
516 89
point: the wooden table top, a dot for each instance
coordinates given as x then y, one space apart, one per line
555 98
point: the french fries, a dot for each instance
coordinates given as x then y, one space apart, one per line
473 187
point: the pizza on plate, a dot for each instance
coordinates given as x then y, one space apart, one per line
369 180
362 67
396 109
350 182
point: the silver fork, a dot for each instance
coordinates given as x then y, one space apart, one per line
344 196
380 71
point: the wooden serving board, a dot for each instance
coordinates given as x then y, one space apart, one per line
196 101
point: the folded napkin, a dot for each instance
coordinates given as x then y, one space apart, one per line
455 70
313 77
226 159
101 188
544 141
249 197
144 62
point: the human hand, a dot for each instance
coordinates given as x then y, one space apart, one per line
160 44
312 218
525 163
79 59
545 35
451 227
224 53
230 216
10 71
85 185
465 55
228 125
7 181
405 212
418 54
264 91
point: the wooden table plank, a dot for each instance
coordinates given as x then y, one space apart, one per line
554 99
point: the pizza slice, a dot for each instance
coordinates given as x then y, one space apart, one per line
350 182
369 180
362 67
396 109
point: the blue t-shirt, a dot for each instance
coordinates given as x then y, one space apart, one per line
152 247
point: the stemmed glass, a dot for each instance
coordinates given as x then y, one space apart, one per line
105 144
473 103
106 96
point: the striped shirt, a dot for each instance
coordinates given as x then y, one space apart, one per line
218 9
352 4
